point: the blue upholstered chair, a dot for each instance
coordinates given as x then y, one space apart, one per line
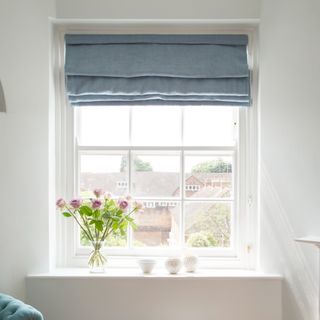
14 309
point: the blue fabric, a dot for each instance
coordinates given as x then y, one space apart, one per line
14 309
229 39
157 69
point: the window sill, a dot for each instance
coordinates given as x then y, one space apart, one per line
205 263
135 273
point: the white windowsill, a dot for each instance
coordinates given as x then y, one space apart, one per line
79 273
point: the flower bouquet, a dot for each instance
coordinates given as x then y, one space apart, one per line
99 218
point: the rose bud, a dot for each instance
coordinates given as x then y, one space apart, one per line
95 203
138 206
60 203
108 195
123 204
97 192
75 203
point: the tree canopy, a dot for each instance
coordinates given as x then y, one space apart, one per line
215 166
138 164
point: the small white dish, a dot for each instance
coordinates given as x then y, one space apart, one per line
146 265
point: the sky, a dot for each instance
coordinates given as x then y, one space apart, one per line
152 126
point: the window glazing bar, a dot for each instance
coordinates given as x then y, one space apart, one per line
158 148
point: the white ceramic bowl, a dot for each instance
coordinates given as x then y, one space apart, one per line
147 265
173 265
190 262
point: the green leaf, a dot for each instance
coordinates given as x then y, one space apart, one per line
123 227
99 225
129 219
85 210
133 226
105 216
67 214
124 223
96 214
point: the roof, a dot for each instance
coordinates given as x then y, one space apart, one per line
153 183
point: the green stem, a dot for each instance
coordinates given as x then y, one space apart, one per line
97 234
108 230
88 227
104 235
83 229
96 258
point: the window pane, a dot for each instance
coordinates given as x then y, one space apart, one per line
209 126
208 176
156 126
158 225
103 126
111 241
116 241
156 175
108 172
207 224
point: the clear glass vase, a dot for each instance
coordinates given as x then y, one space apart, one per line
97 261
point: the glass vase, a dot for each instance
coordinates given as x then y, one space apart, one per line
97 261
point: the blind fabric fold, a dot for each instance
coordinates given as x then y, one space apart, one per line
157 69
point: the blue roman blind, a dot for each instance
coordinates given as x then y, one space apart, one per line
157 69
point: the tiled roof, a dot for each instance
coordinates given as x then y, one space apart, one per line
155 183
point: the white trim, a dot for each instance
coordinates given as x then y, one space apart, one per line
51 158
158 273
182 183
67 256
184 25
225 149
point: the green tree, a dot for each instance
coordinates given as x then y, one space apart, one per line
139 165
215 166
201 239
209 226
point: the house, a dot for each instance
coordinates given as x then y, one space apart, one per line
158 225
283 285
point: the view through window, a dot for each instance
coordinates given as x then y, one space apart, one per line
181 162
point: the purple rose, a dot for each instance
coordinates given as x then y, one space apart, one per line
108 195
60 203
138 206
97 192
75 203
96 203
123 204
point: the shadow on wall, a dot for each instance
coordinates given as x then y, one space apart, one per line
281 254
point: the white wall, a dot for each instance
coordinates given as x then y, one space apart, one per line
290 148
24 72
155 9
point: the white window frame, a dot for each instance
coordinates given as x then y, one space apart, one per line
244 254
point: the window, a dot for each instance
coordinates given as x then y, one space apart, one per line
181 162
193 167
